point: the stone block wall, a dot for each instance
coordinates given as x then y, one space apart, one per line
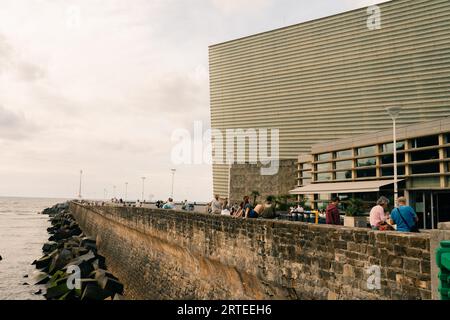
181 255
246 178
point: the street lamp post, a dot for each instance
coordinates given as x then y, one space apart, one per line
79 189
230 159
173 179
394 113
143 185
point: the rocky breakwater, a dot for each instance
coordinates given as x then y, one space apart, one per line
71 268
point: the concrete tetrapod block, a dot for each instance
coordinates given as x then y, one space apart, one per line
111 285
94 292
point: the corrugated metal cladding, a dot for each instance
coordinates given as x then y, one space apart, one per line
333 77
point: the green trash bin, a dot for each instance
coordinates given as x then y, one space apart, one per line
443 263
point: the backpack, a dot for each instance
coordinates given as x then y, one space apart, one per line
413 228
268 212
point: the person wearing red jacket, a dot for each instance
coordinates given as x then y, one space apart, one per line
332 212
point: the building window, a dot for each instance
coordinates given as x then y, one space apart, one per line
425 155
324 157
366 162
367 151
366 173
389 159
306 174
389 171
425 142
447 152
307 166
344 154
323 167
323 177
425 168
343 175
389 147
343 165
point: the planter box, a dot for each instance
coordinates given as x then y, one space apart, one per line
355 222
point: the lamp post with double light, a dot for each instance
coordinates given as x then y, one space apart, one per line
394 112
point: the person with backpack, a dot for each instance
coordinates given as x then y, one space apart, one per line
269 209
404 217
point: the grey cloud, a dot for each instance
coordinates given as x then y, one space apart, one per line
14 126
11 62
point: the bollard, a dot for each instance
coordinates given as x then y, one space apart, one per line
443 263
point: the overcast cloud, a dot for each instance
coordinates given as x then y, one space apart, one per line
103 91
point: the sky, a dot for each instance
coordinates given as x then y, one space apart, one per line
101 85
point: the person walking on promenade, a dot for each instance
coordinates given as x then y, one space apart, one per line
378 218
404 217
332 212
216 206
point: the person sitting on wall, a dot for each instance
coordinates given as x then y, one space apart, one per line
332 212
269 211
249 212
239 211
169 204
226 208
216 206
404 217
378 219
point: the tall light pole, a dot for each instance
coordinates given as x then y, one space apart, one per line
173 179
126 191
230 159
143 184
79 189
394 113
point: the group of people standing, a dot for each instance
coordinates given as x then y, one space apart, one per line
245 209
403 217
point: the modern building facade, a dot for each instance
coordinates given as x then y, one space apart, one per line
362 166
333 77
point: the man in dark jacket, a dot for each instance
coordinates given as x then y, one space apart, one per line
333 216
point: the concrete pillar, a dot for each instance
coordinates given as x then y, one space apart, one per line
440 234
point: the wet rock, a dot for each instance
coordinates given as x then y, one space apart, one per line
89 244
60 260
39 278
57 291
68 246
94 292
43 262
101 273
84 283
49 246
38 292
111 285
118 297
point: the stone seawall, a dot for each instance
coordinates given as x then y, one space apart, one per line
180 255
